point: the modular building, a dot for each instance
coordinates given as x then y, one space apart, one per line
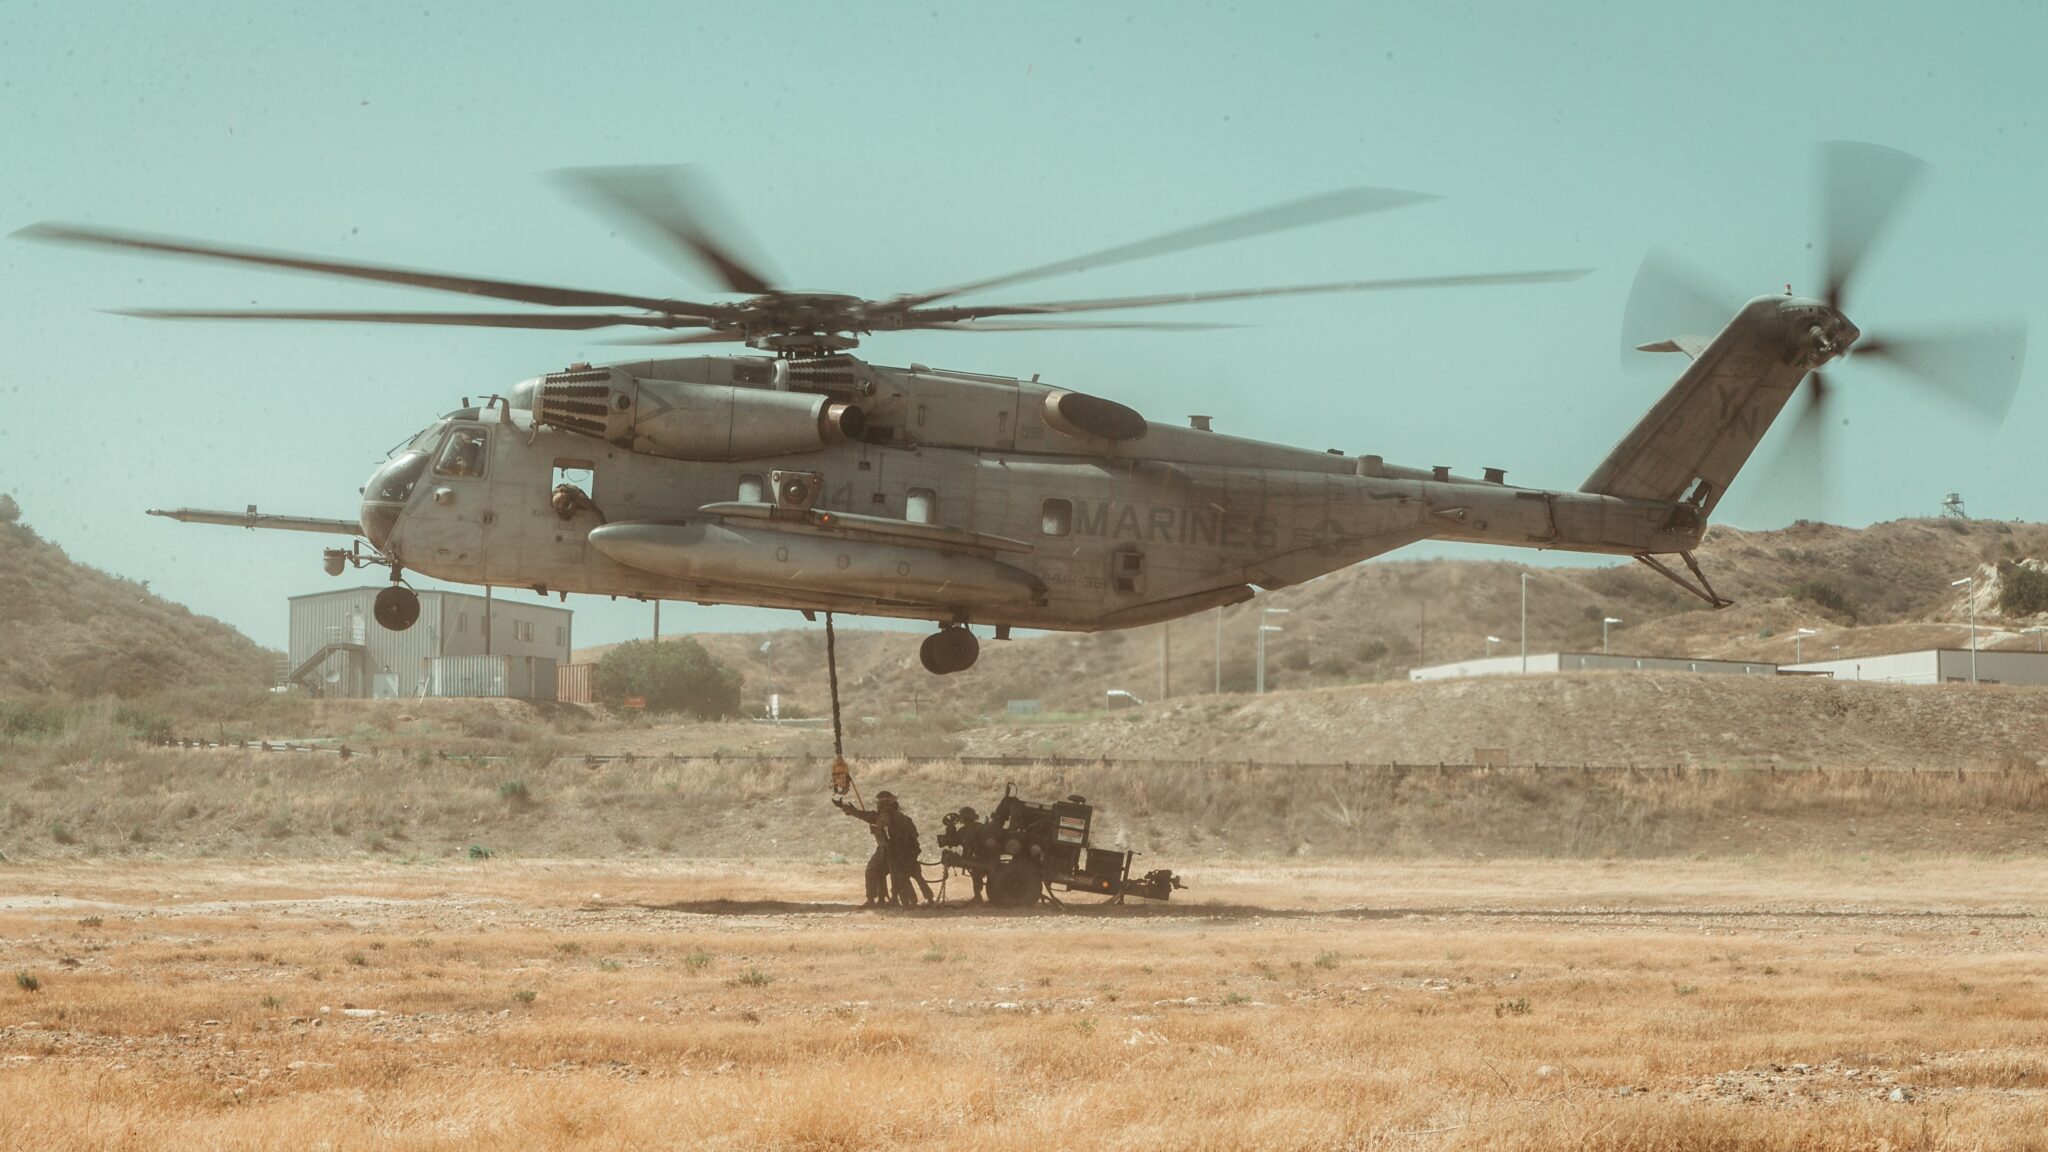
339 649
1548 663
1935 666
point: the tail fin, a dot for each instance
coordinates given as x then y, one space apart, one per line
1690 445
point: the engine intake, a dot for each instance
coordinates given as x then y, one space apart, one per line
685 421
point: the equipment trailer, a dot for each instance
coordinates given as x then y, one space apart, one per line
1027 848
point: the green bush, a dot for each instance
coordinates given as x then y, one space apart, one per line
2022 591
673 676
1827 596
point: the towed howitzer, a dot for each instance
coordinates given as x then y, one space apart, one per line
1027 848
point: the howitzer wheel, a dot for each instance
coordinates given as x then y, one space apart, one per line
1017 884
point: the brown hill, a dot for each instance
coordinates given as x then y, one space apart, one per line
1603 719
70 629
1876 589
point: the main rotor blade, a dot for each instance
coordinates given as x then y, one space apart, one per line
1862 185
1278 218
1065 326
721 336
977 311
1672 298
677 205
1977 368
564 321
58 233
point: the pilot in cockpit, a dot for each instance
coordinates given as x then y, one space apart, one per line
464 455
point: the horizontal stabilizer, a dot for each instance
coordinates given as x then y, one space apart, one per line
1692 346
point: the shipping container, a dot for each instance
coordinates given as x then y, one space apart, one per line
514 677
576 683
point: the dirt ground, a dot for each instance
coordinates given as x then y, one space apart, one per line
1794 1002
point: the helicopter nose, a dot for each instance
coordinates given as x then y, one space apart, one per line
384 497
378 519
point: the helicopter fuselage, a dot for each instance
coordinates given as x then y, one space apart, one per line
958 498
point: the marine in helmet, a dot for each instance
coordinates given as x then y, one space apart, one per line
969 837
894 862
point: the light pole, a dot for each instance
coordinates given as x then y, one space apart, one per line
1492 640
1799 644
1604 622
1263 629
1525 623
1970 582
2036 633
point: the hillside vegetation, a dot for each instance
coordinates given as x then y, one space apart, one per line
71 630
242 804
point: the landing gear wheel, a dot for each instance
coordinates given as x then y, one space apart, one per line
1017 884
950 649
397 608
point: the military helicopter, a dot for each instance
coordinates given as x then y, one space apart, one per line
806 478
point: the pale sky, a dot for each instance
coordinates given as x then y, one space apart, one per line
881 149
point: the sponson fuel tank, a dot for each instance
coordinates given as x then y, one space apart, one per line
711 551
683 420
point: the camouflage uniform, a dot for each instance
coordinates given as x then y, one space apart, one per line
971 835
895 855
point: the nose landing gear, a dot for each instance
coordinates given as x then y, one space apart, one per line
951 649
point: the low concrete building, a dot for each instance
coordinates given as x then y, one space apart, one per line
337 647
1934 666
1547 663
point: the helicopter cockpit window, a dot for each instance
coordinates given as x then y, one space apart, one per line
463 456
394 482
1057 517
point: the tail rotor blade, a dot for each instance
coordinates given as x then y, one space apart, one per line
1672 298
1798 473
1862 185
1977 368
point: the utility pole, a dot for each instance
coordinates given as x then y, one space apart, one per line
657 621
1525 623
1263 629
487 619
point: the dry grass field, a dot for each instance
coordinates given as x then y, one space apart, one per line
1795 1003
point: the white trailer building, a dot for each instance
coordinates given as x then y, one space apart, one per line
1550 663
1935 666
339 649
